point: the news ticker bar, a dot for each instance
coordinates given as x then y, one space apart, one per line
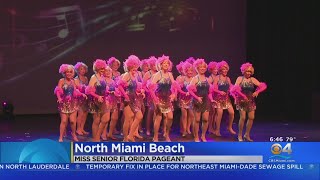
160 167
167 159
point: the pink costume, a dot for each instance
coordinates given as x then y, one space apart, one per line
246 88
68 93
163 92
111 99
69 101
149 102
222 101
201 89
82 101
131 88
99 89
184 100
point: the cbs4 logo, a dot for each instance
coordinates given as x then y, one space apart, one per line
278 149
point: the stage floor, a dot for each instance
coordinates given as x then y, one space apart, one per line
31 127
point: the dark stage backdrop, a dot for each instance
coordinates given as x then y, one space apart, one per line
36 37
281 42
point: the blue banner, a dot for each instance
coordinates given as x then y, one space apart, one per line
300 152
48 151
157 167
143 171
44 157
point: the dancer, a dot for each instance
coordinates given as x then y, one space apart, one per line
114 64
82 81
185 100
199 88
112 95
245 94
212 68
131 89
180 79
144 69
67 93
97 95
149 103
161 92
222 84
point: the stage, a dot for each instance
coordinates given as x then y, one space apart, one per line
28 128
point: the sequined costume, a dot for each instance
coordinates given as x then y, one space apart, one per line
163 92
94 105
82 101
148 100
202 91
212 104
120 99
223 101
140 98
134 102
247 88
185 101
69 101
111 100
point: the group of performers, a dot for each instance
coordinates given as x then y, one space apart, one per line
152 93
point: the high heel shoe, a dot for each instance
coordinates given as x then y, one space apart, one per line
104 138
247 138
75 138
164 134
130 139
168 139
196 140
231 131
240 139
138 136
85 132
203 139
112 137
218 134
